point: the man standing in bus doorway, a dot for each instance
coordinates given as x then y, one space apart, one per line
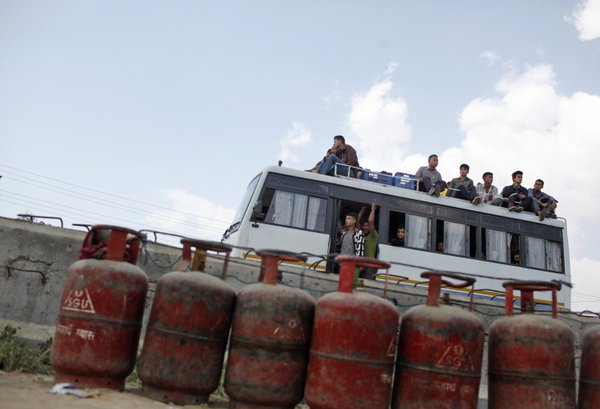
371 240
429 179
352 240
339 153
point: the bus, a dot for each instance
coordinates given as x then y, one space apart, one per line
304 212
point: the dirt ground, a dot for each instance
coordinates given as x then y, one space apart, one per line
30 391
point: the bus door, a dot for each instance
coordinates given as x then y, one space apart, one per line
341 207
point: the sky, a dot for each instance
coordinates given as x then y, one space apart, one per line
155 115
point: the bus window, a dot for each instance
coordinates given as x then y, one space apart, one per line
543 254
418 232
553 256
515 250
535 251
246 199
397 221
317 211
473 241
294 209
456 238
496 245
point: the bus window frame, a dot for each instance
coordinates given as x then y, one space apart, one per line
333 193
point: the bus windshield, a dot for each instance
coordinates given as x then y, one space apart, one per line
244 204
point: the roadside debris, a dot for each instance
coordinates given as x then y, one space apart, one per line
70 389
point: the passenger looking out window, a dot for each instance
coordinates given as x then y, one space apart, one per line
398 241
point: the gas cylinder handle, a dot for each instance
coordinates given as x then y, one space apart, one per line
217 246
436 281
348 266
270 259
467 281
282 255
363 261
527 288
115 248
533 285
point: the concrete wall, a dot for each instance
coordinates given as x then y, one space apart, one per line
34 259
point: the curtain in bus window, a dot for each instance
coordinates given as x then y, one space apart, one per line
497 243
280 210
553 256
315 219
299 214
417 232
455 238
536 252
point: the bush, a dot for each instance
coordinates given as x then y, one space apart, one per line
16 355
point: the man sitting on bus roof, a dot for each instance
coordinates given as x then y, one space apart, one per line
486 192
543 203
515 196
339 153
429 179
462 187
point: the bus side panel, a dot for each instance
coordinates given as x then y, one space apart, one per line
411 263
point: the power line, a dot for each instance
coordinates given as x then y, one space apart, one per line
157 216
156 212
109 203
25 198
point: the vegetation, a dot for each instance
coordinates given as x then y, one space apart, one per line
16 355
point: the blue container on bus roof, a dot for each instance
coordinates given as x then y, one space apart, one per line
405 180
378 177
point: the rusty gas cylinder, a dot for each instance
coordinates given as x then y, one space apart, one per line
187 332
530 356
101 310
440 350
270 340
353 345
589 375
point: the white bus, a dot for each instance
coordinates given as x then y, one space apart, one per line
301 211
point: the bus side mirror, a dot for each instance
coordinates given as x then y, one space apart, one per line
257 211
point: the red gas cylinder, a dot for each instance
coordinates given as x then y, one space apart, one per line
589 375
270 339
530 357
101 310
353 345
439 352
187 332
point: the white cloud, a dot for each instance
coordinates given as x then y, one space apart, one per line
531 127
377 124
391 68
586 275
334 97
540 52
491 57
192 216
297 136
586 18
